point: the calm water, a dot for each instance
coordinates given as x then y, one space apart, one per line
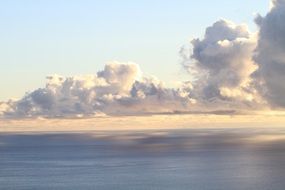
222 159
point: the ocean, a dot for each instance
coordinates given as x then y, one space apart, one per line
190 159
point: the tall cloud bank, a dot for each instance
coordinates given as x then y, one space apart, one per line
222 65
270 55
230 68
235 67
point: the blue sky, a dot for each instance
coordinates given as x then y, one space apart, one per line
71 37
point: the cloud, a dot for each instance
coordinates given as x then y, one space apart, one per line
270 55
120 88
5 107
230 68
234 67
222 64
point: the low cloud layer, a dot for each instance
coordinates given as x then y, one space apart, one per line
118 89
231 68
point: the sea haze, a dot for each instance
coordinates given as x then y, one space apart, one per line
216 158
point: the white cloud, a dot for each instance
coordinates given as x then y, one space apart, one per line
118 89
233 66
223 59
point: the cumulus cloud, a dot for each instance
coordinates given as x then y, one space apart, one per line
222 64
118 89
270 55
232 66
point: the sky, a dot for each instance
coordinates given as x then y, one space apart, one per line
97 58
68 37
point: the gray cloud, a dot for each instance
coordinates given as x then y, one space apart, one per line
270 55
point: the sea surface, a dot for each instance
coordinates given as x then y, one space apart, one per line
192 159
